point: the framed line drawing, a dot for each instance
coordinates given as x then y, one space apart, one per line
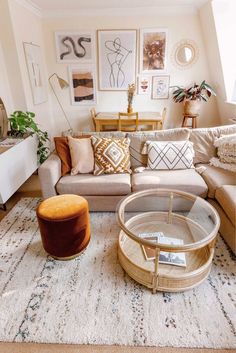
116 59
144 84
34 61
75 47
160 87
153 50
82 85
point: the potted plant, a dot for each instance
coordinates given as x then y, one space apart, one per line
192 96
23 124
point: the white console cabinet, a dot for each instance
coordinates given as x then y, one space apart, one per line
17 164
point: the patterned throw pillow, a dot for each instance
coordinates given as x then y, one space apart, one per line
226 148
111 155
226 151
170 155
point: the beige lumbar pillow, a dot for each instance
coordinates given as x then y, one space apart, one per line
82 157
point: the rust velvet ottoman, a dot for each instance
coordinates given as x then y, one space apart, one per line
64 225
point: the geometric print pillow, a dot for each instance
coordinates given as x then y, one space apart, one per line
170 155
111 155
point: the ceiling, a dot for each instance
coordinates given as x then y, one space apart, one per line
57 5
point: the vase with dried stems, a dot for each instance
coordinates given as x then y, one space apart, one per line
131 91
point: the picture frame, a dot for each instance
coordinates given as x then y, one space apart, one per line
82 85
144 84
117 58
153 50
75 46
34 62
160 87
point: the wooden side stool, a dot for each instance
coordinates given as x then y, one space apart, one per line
193 121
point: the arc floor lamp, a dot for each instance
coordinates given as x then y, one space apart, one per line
63 84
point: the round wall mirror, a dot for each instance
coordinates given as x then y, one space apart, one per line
185 54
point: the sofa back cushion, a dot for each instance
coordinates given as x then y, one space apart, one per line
138 139
203 141
107 134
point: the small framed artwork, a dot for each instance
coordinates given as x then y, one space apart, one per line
116 59
82 85
153 50
74 47
34 61
160 87
144 84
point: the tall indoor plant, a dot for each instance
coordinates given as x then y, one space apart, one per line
192 96
22 123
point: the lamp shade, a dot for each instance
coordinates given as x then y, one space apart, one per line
62 83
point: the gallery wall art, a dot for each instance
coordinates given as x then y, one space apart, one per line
153 50
160 87
72 47
82 85
144 84
34 61
116 59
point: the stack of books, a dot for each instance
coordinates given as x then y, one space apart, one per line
170 258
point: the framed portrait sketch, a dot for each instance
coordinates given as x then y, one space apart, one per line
160 87
116 59
82 85
153 50
144 84
34 61
74 47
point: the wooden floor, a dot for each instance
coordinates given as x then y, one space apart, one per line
32 189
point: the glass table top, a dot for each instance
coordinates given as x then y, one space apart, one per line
173 219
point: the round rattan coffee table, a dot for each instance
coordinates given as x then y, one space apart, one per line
167 238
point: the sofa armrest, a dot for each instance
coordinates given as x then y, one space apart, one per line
49 173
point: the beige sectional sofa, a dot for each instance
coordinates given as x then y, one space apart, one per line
103 192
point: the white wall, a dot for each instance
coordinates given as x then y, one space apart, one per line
208 24
10 68
27 27
185 26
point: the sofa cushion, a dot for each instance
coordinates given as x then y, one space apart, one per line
216 177
164 155
185 180
82 157
89 184
111 155
138 139
226 196
203 141
63 151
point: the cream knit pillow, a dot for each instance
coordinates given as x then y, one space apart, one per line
226 151
82 157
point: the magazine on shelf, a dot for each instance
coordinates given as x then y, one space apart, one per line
167 258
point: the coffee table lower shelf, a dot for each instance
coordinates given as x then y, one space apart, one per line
170 278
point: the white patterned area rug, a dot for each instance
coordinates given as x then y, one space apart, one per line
90 300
